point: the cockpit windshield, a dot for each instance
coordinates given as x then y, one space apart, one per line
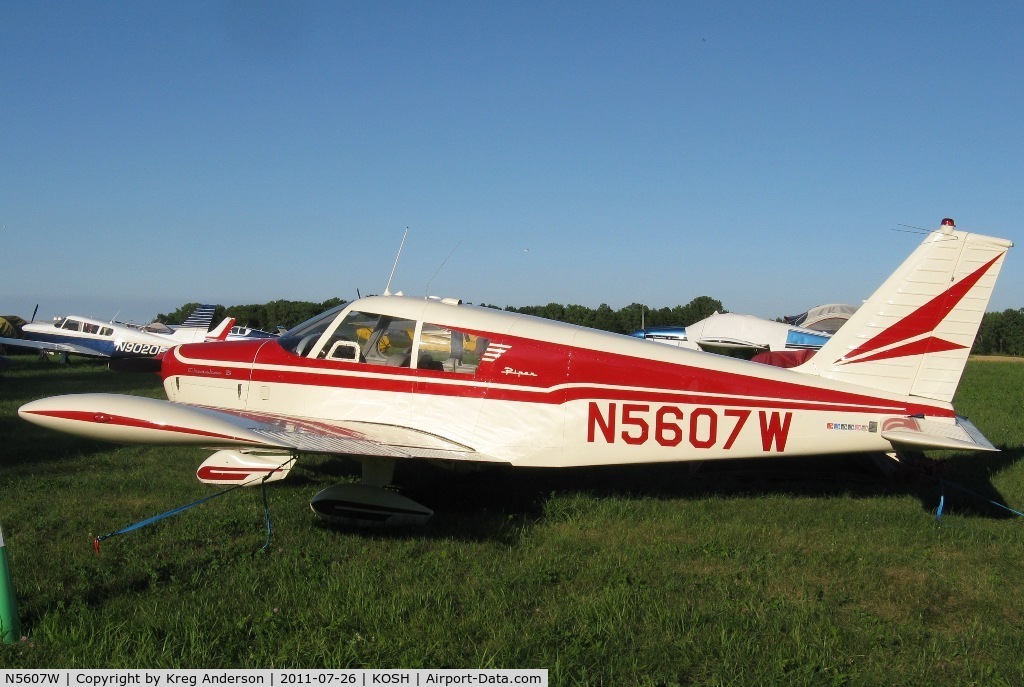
300 338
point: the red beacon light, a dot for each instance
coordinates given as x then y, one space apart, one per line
947 222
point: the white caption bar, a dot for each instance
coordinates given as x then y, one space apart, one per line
273 678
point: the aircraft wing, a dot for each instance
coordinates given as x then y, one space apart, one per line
918 433
140 420
729 344
51 346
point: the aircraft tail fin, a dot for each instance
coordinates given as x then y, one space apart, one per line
913 336
221 331
195 326
201 317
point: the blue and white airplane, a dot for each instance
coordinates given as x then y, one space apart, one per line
76 335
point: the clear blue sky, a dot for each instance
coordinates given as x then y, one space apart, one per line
763 153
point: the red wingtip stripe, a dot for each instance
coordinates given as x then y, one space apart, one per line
92 417
209 472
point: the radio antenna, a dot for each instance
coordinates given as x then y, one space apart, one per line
387 289
441 267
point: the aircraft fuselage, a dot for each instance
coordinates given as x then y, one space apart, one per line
547 394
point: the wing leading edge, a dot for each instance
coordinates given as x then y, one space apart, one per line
140 420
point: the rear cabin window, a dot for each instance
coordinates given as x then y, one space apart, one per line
450 350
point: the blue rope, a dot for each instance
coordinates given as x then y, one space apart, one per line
942 498
180 509
266 511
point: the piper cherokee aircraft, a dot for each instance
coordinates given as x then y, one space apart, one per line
540 393
98 339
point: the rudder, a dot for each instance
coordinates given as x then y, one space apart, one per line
914 335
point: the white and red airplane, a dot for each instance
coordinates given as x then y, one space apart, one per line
361 381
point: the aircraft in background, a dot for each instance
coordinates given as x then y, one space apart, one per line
76 335
238 333
537 393
824 318
741 336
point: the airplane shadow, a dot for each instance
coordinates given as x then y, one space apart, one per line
496 504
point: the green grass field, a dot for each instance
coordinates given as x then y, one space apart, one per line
810 572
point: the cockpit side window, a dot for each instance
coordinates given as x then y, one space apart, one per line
390 342
72 325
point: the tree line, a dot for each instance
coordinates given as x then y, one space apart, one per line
266 316
628 319
1001 333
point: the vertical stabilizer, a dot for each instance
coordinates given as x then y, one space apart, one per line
913 336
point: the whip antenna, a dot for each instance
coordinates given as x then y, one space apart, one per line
441 267
387 289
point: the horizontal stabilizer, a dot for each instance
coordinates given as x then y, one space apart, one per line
918 433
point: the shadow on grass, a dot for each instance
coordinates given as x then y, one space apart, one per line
968 487
489 504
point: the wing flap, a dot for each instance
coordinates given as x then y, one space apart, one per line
919 433
366 446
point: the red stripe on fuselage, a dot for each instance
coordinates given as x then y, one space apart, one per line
593 375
